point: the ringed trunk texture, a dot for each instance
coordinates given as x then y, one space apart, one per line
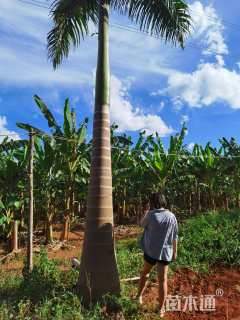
98 270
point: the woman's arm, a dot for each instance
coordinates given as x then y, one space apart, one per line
145 219
175 243
175 240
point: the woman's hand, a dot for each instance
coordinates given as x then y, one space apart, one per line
146 207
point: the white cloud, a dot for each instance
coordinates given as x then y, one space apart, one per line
209 28
23 54
190 146
23 60
184 119
4 132
76 100
160 107
209 84
30 67
177 103
129 118
27 21
220 60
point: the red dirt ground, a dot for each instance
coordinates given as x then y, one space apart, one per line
183 283
74 244
223 283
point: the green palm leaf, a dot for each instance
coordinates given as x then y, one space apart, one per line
71 23
168 19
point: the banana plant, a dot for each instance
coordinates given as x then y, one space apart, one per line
47 176
8 214
13 181
121 170
231 171
161 162
205 165
71 153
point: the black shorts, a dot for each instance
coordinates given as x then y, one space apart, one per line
154 261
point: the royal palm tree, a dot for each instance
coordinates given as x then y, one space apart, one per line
168 19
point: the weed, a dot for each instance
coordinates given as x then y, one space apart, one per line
47 292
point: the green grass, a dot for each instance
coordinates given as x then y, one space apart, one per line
48 293
209 239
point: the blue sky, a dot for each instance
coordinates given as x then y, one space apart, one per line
153 86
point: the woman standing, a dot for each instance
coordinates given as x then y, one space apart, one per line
159 244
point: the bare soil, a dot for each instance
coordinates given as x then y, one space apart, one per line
68 250
222 283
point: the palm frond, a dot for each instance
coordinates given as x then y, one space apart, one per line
168 19
71 20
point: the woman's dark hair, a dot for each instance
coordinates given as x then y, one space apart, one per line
157 201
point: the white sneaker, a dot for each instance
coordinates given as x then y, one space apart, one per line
162 313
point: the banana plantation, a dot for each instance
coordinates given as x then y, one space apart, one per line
197 180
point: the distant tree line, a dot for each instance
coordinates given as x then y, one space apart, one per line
204 178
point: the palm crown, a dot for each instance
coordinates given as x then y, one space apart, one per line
168 19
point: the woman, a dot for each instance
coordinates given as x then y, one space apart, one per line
159 244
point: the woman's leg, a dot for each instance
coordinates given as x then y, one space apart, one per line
143 279
162 281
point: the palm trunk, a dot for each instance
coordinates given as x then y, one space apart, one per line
98 270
